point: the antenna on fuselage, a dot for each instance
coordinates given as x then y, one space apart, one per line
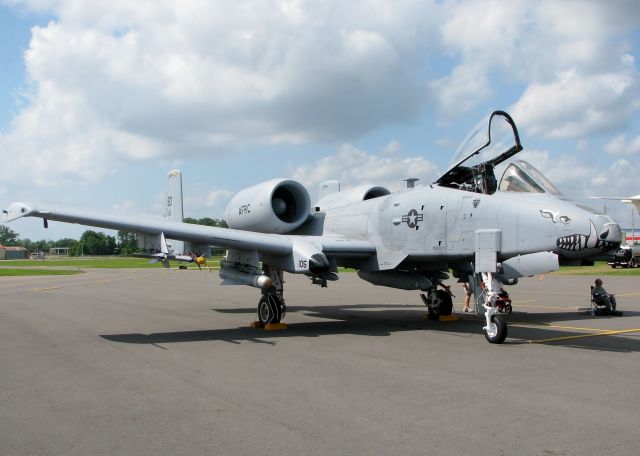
411 182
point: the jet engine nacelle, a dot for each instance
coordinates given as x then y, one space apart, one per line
351 196
275 206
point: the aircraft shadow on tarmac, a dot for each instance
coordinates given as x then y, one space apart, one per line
365 320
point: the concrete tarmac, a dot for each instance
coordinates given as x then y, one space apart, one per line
121 362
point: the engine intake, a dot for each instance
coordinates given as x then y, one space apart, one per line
275 206
351 196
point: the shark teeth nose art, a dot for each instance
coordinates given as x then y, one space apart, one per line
577 242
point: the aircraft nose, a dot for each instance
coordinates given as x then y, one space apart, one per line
609 233
603 235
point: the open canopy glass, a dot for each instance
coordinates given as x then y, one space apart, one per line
492 141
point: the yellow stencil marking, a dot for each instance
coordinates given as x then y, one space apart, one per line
39 290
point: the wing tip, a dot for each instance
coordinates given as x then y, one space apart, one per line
16 211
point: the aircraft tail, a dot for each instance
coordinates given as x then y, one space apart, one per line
173 196
173 208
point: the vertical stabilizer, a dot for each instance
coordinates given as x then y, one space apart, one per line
173 209
173 196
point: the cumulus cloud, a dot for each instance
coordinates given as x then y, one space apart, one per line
619 145
352 166
571 57
203 200
119 81
115 82
576 105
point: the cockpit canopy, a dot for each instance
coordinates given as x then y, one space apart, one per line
492 141
521 176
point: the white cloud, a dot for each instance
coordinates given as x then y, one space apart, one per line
620 146
218 196
203 200
116 81
126 205
462 90
496 45
575 105
352 166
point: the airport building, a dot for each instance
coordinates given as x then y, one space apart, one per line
12 253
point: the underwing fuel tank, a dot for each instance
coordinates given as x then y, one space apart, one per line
231 276
396 279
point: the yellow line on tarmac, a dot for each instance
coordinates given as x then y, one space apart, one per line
545 307
577 328
100 282
39 290
627 294
582 336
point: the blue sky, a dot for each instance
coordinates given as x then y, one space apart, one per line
100 99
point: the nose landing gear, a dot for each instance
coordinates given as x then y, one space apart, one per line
495 330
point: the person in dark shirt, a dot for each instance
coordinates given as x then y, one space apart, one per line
602 298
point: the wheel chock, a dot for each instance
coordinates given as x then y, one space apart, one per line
268 327
443 317
275 326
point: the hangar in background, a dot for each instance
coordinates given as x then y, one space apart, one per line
12 253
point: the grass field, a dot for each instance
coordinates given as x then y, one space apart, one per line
16 272
72 265
600 268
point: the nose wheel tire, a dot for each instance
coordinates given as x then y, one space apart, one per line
270 309
496 331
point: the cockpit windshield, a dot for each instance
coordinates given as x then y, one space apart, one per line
521 176
491 142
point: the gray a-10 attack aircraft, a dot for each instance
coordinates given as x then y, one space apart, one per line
465 221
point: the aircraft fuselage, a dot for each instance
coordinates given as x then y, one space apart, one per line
438 224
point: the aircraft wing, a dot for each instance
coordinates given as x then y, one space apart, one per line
272 244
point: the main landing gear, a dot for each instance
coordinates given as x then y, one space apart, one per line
271 307
438 303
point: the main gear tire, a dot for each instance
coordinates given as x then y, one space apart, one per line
445 306
269 309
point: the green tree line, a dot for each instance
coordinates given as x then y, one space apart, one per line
91 242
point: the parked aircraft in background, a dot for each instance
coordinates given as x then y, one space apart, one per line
466 221
635 200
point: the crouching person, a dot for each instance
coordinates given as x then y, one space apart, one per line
602 298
